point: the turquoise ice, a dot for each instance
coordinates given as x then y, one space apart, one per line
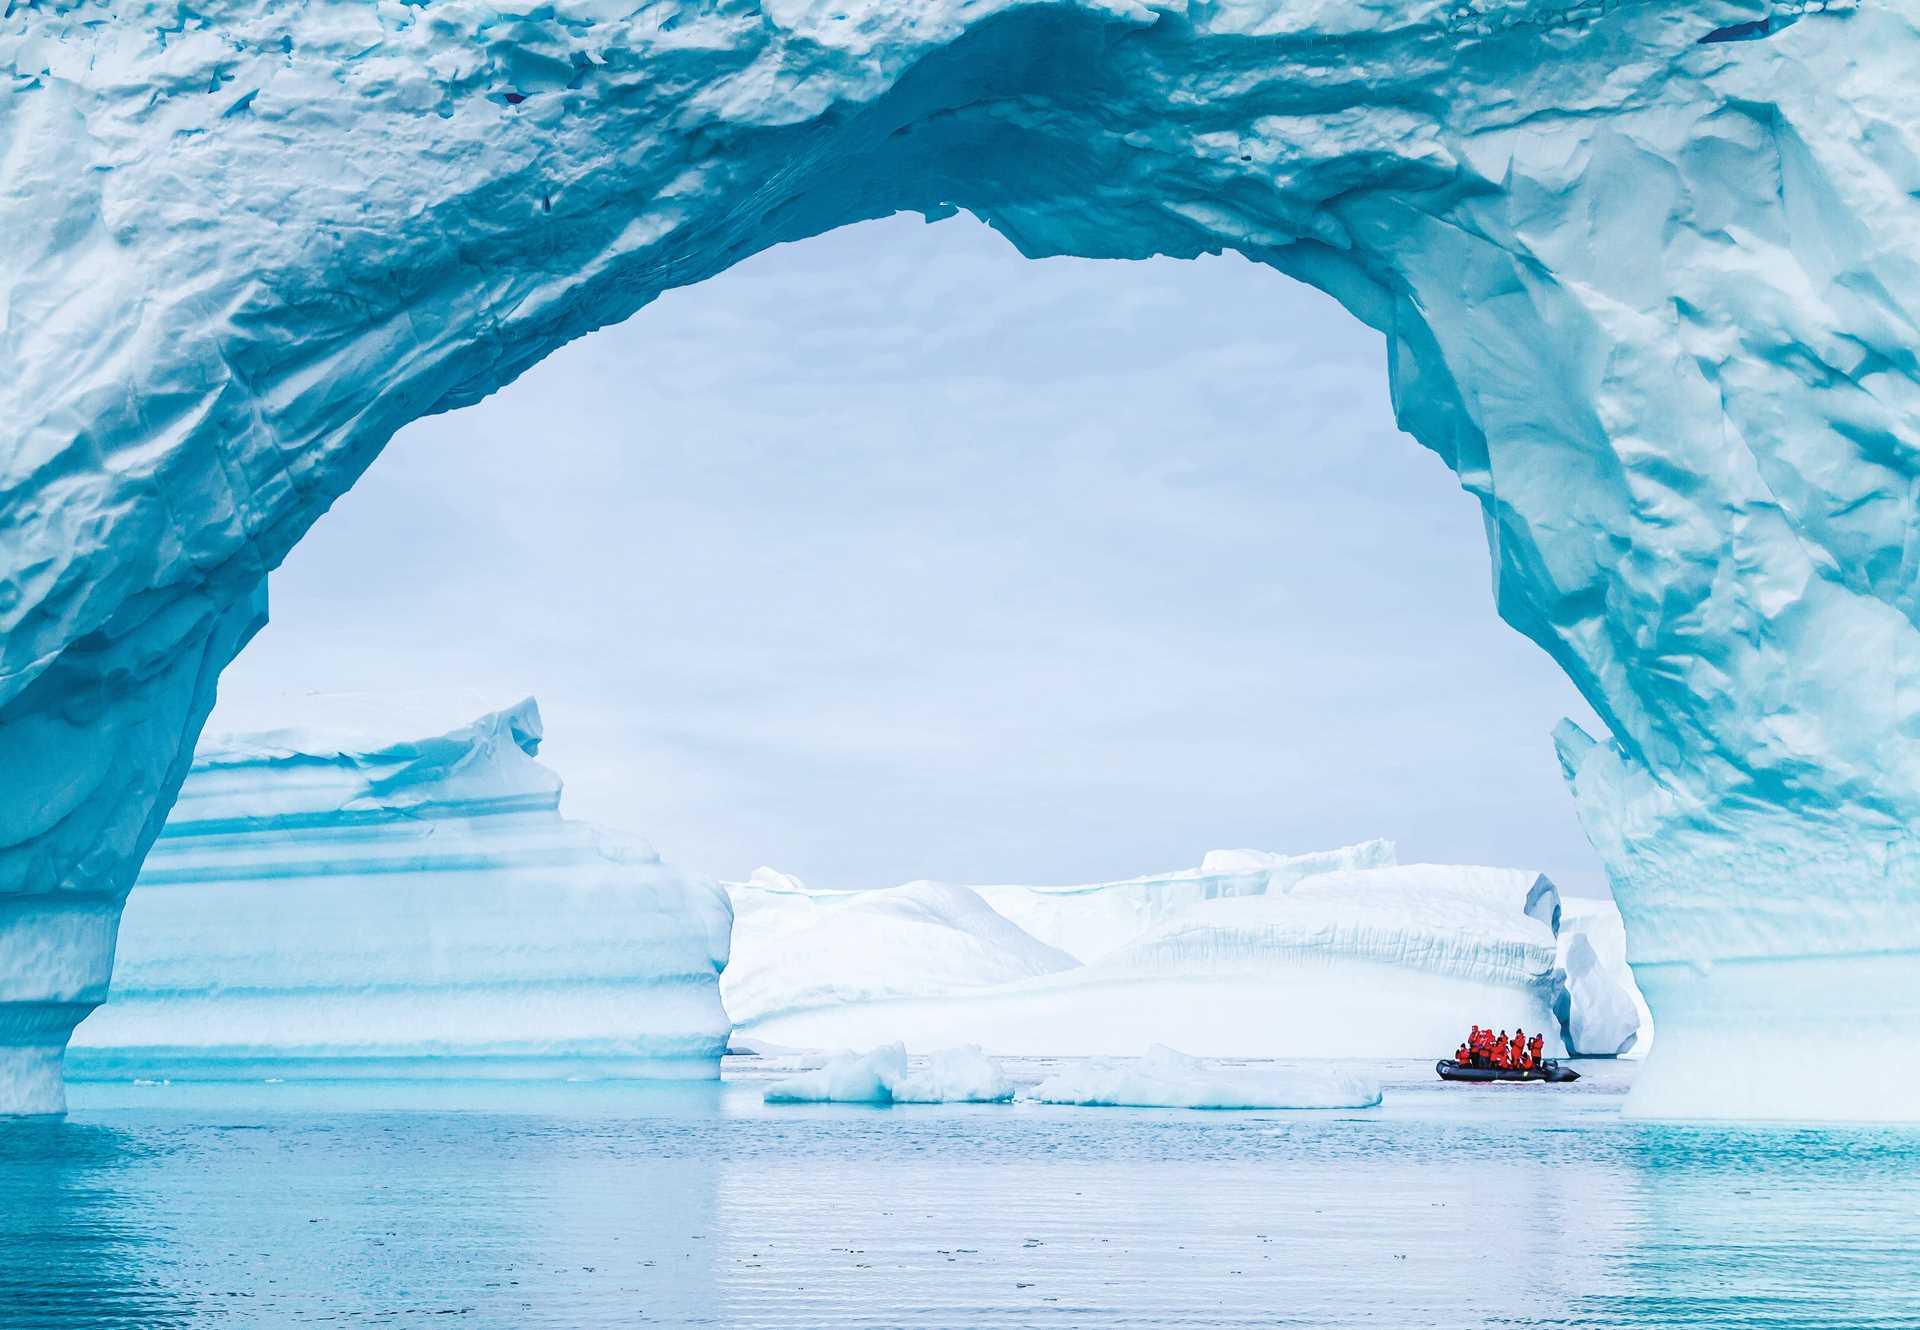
381 891
1646 274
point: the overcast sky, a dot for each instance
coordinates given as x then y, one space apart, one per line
894 555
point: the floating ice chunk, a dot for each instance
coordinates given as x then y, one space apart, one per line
1165 1078
951 1076
955 1076
847 1078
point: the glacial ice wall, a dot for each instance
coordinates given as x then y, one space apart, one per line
1339 953
381 901
1647 272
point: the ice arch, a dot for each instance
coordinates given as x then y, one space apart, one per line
1647 271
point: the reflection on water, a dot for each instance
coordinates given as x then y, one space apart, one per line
590 1206
72 1250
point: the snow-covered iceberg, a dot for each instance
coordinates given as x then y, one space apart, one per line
1343 953
1165 1078
356 898
795 949
1648 276
885 1076
1089 921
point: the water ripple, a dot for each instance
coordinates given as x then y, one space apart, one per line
586 1207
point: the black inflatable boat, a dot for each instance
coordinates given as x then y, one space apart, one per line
1548 1073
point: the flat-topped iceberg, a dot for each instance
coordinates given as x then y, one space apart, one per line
1339 954
1165 1078
334 900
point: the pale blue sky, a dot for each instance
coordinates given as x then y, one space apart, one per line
894 555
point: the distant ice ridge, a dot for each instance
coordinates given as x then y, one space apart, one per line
1165 1078
794 949
882 1076
368 895
1089 921
1342 953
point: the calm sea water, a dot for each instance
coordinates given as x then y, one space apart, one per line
587 1206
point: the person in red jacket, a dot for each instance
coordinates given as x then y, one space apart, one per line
1538 1048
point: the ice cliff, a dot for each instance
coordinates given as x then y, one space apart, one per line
366 899
1342 953
1647 273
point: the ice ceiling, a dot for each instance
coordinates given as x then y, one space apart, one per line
1647 272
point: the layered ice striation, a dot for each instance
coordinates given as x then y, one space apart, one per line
1652 293
367 897
1342 953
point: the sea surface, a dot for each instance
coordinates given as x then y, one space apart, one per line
597 1205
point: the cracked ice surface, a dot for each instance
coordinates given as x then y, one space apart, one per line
1646 272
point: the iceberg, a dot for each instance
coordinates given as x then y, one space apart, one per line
951 1076
1088 921
1600 1017
1290 956
795 950
1651 294
360 896
1165 1078
1602 1011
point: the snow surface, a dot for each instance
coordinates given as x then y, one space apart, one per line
795 950
330 900
1165 1078
1264 960
1650 293
1091 920
951 1076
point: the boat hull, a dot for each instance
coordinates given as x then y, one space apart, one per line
1550 1073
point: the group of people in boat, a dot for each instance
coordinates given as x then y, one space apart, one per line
1502 1052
